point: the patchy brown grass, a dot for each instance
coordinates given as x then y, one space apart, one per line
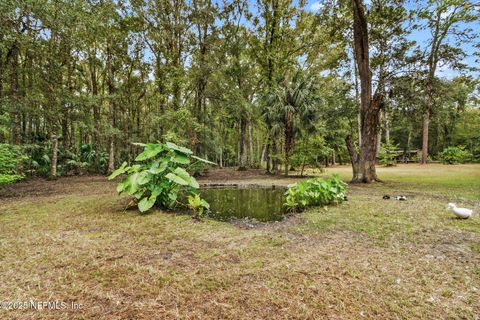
70 240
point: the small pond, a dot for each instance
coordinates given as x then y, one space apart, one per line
261 204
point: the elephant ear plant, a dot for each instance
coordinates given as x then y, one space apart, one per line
159 175
315 192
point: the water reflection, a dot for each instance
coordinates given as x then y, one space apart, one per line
258 203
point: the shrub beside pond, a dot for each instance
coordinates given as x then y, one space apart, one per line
315 192
159 174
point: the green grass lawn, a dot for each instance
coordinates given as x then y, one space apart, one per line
451 181
368 258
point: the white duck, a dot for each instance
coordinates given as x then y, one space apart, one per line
463 213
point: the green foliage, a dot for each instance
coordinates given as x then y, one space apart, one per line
11 159
159 175
286 80
454 155
8 159
315 192
198 205
387 156
199 168
467 131
309 152
74 161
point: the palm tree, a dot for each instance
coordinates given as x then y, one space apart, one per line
291 106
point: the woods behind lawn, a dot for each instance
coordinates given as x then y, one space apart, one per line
69 240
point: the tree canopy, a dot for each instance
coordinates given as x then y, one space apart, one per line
265 83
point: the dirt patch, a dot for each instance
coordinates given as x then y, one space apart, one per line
39 187
251 176
232 173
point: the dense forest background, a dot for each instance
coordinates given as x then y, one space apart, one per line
265 83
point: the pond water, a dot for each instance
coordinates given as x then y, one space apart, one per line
261 204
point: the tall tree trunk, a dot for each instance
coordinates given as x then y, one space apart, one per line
354 159
221 157
1 69
111 110
275 156
437 39
288 140
242 145
426 125
379 136
250 143
387 126
159 80
30 135
111 156
14 94
53 164
262 155
370 107
368 150
64 129
267 157
72 136
357 100
426 118
96 113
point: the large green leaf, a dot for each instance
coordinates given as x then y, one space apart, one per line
144 177
139 194
157 189
173 146
180 158
182 173
150 151
177 179
146 203
157 167
134 168
194 183
133 183
122 186
123 168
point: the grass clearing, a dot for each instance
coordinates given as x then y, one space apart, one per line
70 240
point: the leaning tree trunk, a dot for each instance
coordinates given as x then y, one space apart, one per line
353 157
